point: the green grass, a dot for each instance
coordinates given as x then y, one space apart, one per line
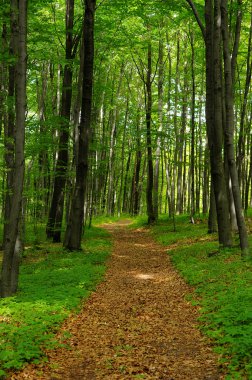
223 289
52 284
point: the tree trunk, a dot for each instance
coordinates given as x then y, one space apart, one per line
214 118
120 200
160 117
10 266
205 200
229 132
136 177
57 205
192 166
176 133
212 218
3 74
149 191
125 187
181 146
242 134
212 36
73 234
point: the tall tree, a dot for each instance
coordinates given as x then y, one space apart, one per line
74 229
57 204
148 110
229 131
212 37
10 266
160 117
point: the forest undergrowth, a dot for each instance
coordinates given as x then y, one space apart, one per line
53 284
222 287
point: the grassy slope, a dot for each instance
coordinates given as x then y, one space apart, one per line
223 289
52 284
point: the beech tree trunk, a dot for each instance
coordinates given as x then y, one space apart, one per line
9 126
11 258
192 211
73 233
160 128
119 201
181 146
149 191
136 177
229 132
57 205
3 75
242 132
214 117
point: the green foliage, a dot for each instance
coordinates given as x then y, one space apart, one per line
52 284
223 290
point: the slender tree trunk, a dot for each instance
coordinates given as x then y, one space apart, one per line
192 131
73 234
113 135
43 162
212 219
175 126
120 200
205 196
160 117
168 189
249 176
3 75
242 134
136 177
181 144
125 187
149 192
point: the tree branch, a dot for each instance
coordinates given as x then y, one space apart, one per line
237 38
195 12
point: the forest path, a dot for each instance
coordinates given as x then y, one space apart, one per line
136 325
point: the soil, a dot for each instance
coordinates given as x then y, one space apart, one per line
136 325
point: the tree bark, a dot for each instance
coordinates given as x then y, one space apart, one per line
212 36
73 233
160 128
181 146
192 211
149 191
242 134
229 133
57 205
10 266
136 177
214 118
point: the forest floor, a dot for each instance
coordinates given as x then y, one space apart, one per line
136 325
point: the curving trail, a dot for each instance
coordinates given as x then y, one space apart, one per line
137 325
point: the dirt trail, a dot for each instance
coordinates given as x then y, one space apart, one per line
137 325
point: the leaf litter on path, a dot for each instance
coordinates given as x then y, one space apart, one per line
136 325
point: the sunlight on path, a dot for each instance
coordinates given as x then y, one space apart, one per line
137 325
